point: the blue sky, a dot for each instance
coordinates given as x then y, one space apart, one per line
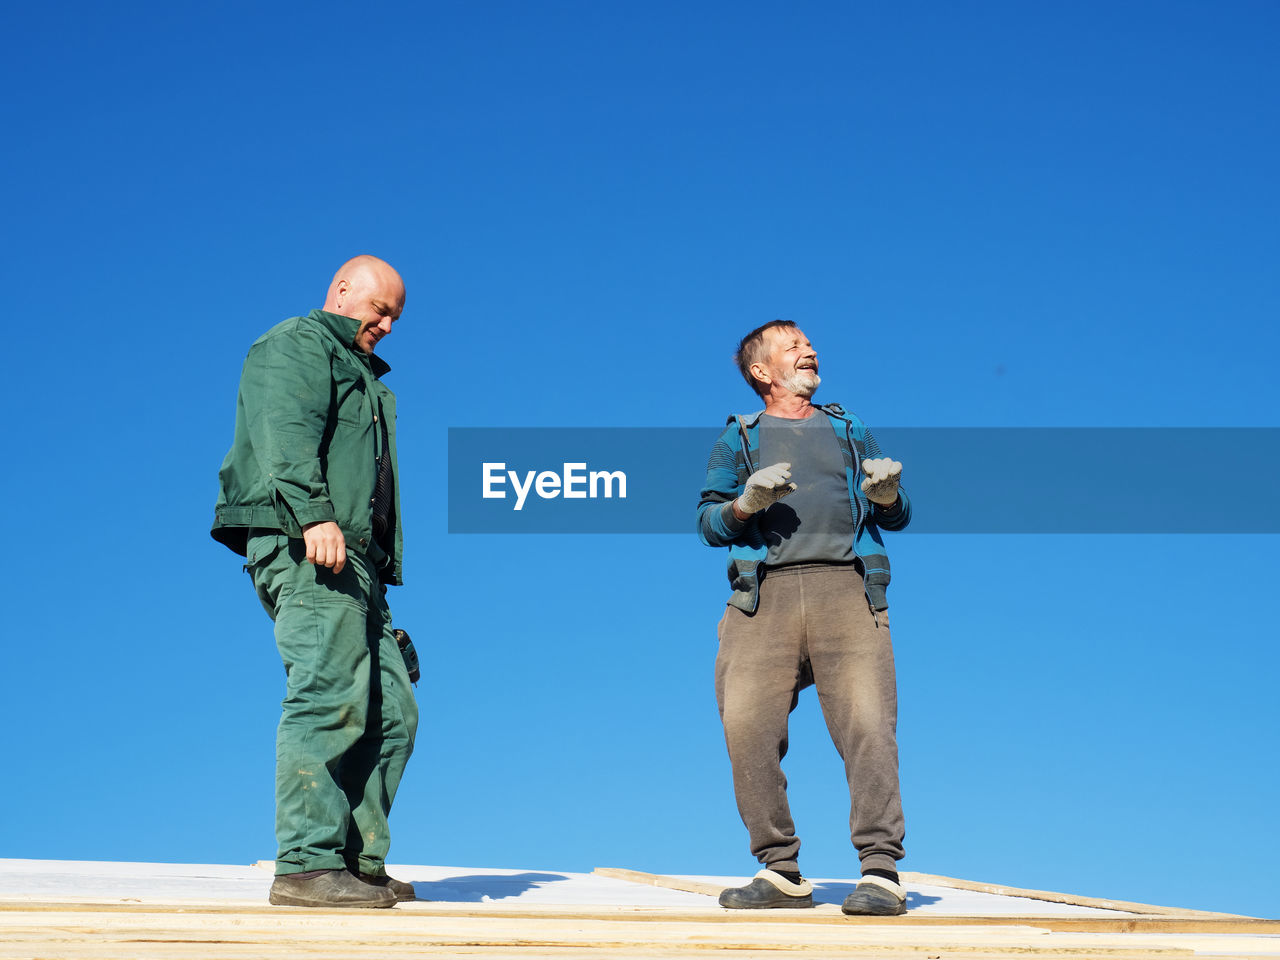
985 214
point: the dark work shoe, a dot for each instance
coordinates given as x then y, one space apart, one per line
333 888
876 897
768 890
402 890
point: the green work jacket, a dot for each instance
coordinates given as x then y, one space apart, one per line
308 437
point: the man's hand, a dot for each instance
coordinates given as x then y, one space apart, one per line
326 546
766 486
881 481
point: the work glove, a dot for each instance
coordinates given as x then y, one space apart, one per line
881 481
766 486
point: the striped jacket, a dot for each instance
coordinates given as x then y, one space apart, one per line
734 457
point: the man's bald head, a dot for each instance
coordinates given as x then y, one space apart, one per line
370 290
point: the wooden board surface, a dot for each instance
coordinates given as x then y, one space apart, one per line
189 932
125 926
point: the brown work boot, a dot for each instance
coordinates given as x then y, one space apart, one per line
403 891
328 888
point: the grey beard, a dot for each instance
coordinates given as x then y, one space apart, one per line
803 383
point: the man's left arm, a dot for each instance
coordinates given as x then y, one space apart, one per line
882 486
890 506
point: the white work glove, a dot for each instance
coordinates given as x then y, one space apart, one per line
881 481
766 486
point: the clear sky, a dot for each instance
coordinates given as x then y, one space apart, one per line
982 214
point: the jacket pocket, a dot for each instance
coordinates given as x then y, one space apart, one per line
351 395
261 550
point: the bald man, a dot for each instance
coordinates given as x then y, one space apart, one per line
309 495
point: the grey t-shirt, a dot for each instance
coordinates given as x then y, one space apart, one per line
816 522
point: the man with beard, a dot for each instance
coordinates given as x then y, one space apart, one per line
310 497
808 609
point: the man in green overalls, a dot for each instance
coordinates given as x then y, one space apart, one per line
309 495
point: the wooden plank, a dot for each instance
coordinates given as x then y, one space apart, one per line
140 934
822 914
158 931
1067 898
658 880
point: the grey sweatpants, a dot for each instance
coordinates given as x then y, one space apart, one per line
813 626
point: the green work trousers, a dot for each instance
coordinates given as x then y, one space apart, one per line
349 714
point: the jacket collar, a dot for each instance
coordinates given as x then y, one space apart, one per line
345 329
749 420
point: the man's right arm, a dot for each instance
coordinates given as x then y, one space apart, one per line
718 523
726 506
326 545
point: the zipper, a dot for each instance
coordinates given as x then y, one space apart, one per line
746 447
746 458
858 517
